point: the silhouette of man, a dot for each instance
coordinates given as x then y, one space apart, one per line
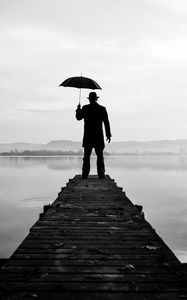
94 116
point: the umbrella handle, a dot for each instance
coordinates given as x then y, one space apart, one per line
79 96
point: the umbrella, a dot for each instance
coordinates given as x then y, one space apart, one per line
80 82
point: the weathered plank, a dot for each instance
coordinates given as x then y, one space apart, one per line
93 243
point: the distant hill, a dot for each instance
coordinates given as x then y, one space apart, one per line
173 146
52 145
160 146
18 146
62 145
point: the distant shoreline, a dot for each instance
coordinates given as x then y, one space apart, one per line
72 148
106 155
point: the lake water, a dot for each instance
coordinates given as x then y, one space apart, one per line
157 183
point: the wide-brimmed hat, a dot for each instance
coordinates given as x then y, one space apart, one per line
92 95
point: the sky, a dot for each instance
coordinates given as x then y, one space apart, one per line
135 49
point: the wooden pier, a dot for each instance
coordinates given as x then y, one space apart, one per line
93 243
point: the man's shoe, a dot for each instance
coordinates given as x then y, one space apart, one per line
84 177
102 176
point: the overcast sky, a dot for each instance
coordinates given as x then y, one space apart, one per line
135 49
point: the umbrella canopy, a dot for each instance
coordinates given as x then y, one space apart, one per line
81 82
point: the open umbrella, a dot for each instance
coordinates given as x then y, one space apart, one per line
80 82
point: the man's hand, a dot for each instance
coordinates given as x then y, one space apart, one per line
108 139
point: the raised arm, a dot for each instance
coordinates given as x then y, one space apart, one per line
79 113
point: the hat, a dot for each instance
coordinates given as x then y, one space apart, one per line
93 95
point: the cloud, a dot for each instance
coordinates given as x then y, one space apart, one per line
173 6
136 50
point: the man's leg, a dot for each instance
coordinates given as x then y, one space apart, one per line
100 162
86 162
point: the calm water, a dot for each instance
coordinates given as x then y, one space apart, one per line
157 183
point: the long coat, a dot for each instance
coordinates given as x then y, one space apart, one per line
94 116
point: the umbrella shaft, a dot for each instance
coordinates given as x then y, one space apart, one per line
79 96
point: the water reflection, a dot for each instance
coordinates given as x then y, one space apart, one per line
160 163
55 163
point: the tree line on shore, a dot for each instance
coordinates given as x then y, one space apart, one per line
46 153
79 152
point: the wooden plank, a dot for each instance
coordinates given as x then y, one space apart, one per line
151 264
78 266
92 276
126 286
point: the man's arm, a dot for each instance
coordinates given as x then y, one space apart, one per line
107 126
79 113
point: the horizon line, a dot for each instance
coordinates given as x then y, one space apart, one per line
80 141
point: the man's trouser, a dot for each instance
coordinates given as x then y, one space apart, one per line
86 161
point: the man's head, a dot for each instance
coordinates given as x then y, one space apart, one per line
92 97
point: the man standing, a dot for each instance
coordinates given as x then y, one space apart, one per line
94 116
